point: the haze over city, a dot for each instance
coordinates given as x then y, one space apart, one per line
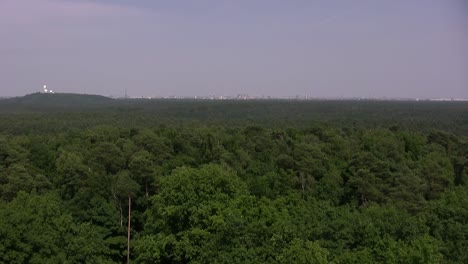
365 48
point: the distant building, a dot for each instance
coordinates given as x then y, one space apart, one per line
45 90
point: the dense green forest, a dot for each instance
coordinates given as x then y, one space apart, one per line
232 181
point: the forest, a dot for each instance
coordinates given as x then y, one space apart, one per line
256 181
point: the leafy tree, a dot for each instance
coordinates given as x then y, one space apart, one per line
16 178
142 168
300 251
186 209
11 153
37 229
438 174
71 174
125 187
447 220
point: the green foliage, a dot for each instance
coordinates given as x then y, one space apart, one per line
71 174
233 182
447 220
37 229
124 186
305 252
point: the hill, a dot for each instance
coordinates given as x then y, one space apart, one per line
42 101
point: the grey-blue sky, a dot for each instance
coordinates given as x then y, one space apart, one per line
399 48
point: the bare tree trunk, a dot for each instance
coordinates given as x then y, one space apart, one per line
146 187
301 180
121 214
128 229
120 206
363 200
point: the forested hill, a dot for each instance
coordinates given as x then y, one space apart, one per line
46 102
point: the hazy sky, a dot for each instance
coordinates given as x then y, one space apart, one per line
323 48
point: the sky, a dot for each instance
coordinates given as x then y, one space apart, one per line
315 48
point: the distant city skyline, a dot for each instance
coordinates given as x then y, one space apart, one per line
321 49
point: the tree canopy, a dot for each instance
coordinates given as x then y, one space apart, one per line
203 191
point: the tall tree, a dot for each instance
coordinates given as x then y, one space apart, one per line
126 187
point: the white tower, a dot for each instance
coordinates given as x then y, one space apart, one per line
45 88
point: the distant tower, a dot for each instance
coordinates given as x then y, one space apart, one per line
45 88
